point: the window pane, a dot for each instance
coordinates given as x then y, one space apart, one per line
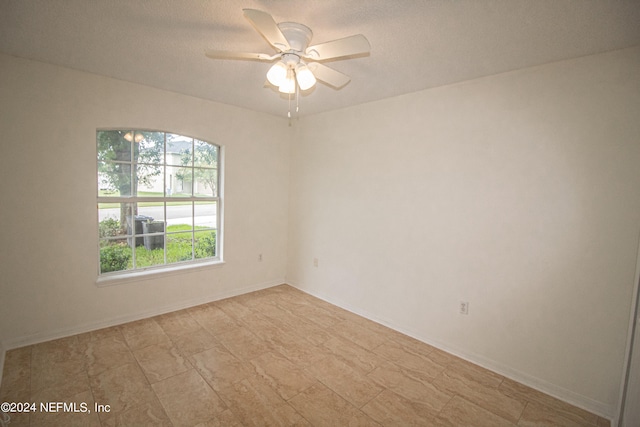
179 216
113 146
152 250
206 182
114 179
205 154
149 258
179 181
179 247
150 180
115 255
149 147
205 214
179 150
151 211
113 219
205 244
134 224
105 187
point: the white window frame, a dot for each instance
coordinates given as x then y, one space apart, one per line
141 273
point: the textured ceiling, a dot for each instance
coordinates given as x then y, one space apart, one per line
416 44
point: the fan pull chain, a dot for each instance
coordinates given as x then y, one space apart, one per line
289 112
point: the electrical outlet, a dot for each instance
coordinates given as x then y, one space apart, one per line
315 262
464 307
259 257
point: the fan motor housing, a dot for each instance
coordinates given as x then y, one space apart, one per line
298 35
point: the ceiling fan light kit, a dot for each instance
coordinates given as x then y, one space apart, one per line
304 76
281 74
277 74
288 85
291 40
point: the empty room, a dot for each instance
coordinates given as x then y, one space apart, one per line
320 213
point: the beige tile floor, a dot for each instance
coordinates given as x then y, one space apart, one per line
272 357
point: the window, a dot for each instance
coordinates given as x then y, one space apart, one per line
158 200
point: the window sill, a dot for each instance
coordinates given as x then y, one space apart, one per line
135 276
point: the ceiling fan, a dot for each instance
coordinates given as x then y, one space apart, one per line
299 65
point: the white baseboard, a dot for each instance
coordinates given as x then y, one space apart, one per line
599 408
118 320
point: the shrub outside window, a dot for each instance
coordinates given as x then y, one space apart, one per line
158 200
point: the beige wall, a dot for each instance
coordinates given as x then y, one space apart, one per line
48 227
519 193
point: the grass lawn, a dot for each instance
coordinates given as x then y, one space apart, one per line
178 245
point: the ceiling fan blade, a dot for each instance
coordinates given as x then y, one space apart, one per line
265 25
223 54
348 46
329 75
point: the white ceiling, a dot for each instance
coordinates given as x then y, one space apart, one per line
415 44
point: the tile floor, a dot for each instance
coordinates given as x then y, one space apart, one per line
272 357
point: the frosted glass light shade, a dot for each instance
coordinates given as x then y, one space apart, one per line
277 74
288 86
305 77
